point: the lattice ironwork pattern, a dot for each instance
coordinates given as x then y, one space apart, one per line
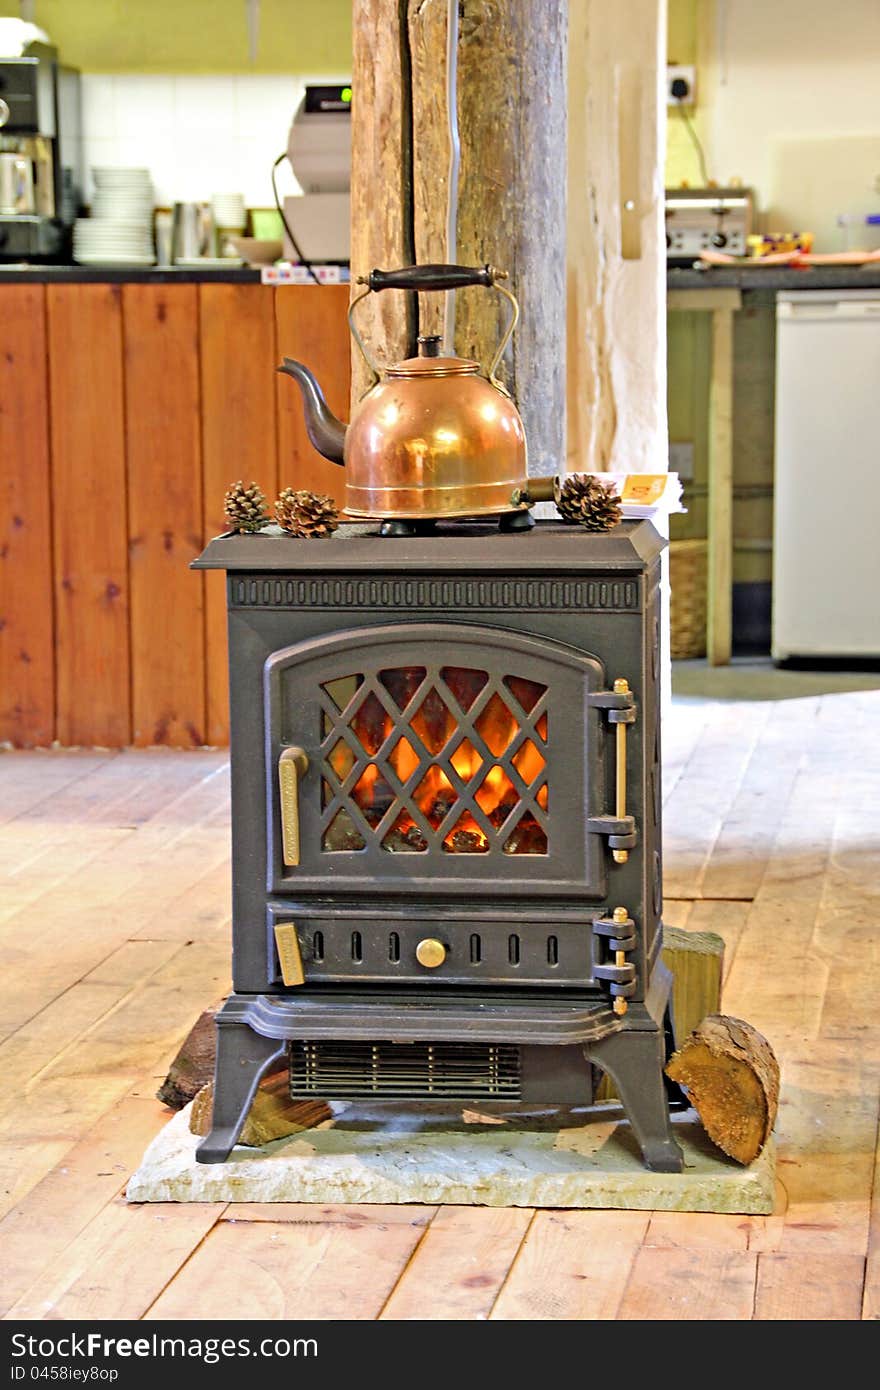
423 758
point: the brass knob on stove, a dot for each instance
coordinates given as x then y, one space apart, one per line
430 952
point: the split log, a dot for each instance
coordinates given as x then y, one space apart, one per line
193 1066
273 1114
731 1077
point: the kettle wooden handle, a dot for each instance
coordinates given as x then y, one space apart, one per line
436 277
432 277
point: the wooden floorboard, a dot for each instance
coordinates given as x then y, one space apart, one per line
682 1284
572 1265
805 1288
36 1233
772 840
460 1264
299 1270
695 810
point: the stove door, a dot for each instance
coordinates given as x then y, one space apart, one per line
435 758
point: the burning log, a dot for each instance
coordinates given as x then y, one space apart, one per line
528 838
498 815
465 842
343 834
407 841
731 1077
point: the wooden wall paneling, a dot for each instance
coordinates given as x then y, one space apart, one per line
311 326
27 674
239 440
88 514
163 450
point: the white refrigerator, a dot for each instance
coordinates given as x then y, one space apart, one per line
826 529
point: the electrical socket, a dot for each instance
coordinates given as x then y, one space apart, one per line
681 72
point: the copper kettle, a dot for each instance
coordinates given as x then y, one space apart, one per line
433 436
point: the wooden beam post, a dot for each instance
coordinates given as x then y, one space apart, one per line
381 178
720 617
511 211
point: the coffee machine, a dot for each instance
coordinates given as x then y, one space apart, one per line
319 151
40 153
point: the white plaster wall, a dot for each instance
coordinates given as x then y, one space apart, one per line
790 92
616 395
616 341
196 134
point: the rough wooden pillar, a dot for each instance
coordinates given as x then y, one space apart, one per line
381 176
512 185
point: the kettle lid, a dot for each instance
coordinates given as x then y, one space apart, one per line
430 363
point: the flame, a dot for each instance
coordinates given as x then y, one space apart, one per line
435 794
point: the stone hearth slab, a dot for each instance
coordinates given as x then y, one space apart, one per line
387 1154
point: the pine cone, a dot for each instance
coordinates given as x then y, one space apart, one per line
245 507
588 502
308 515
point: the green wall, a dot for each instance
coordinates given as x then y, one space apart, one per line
689 40
307 36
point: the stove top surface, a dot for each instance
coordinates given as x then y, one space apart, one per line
475 546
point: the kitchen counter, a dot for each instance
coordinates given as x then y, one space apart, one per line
770 279
745 278
127 275
131 399
748 279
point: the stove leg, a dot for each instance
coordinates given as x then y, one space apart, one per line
634 1060
242 1058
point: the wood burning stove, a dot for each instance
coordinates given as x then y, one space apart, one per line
446 820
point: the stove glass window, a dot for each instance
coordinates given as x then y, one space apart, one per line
415 759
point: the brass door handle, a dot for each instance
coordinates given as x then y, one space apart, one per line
620 856
620 828
292 765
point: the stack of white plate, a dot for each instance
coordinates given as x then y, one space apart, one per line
228 211
120 229
99 241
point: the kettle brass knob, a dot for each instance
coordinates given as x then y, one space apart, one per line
430 952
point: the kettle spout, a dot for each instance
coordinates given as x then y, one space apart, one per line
326 433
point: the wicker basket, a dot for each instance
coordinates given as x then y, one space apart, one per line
687 609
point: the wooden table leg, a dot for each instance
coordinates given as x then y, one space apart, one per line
720 578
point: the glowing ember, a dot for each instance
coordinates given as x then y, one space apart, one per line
430 769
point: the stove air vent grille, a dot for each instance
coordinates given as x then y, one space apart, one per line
405 1071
